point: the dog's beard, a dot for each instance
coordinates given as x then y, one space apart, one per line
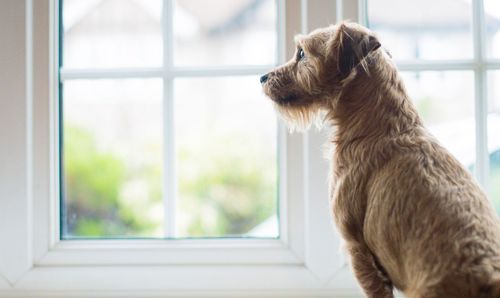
300 118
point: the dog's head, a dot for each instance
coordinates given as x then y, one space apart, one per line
323 61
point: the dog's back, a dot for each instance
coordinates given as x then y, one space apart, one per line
427 221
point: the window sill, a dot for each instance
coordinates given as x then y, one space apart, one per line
187 281
173 252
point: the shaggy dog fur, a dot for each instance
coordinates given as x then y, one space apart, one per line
412 216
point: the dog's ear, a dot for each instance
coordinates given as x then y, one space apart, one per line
353 47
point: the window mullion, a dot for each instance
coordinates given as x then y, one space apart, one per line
281 29
169 180
363 13
481 109
158 72
220 71
492 64
69 74
440 65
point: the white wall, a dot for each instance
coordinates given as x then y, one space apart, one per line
15 119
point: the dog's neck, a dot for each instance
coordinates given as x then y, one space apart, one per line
373 105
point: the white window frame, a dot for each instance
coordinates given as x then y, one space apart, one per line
306 260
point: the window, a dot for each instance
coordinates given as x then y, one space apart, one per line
165 130
115 77
448 56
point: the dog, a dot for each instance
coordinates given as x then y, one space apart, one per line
412 217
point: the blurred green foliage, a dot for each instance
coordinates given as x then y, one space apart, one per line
223 192
225 188
92 188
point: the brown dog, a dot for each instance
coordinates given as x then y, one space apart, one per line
412 217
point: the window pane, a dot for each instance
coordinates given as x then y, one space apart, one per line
492 19
226 144
423 29
112 158
494 135
445 100
225 32
112 33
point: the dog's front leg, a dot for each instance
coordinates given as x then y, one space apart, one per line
369 274
349 210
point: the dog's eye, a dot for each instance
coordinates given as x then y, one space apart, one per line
300 54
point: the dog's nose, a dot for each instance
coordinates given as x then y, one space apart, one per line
263 78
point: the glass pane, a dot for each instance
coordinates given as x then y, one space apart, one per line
445 100
492 19
423 29
112 158
226 154
112 33
494 136
225 32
